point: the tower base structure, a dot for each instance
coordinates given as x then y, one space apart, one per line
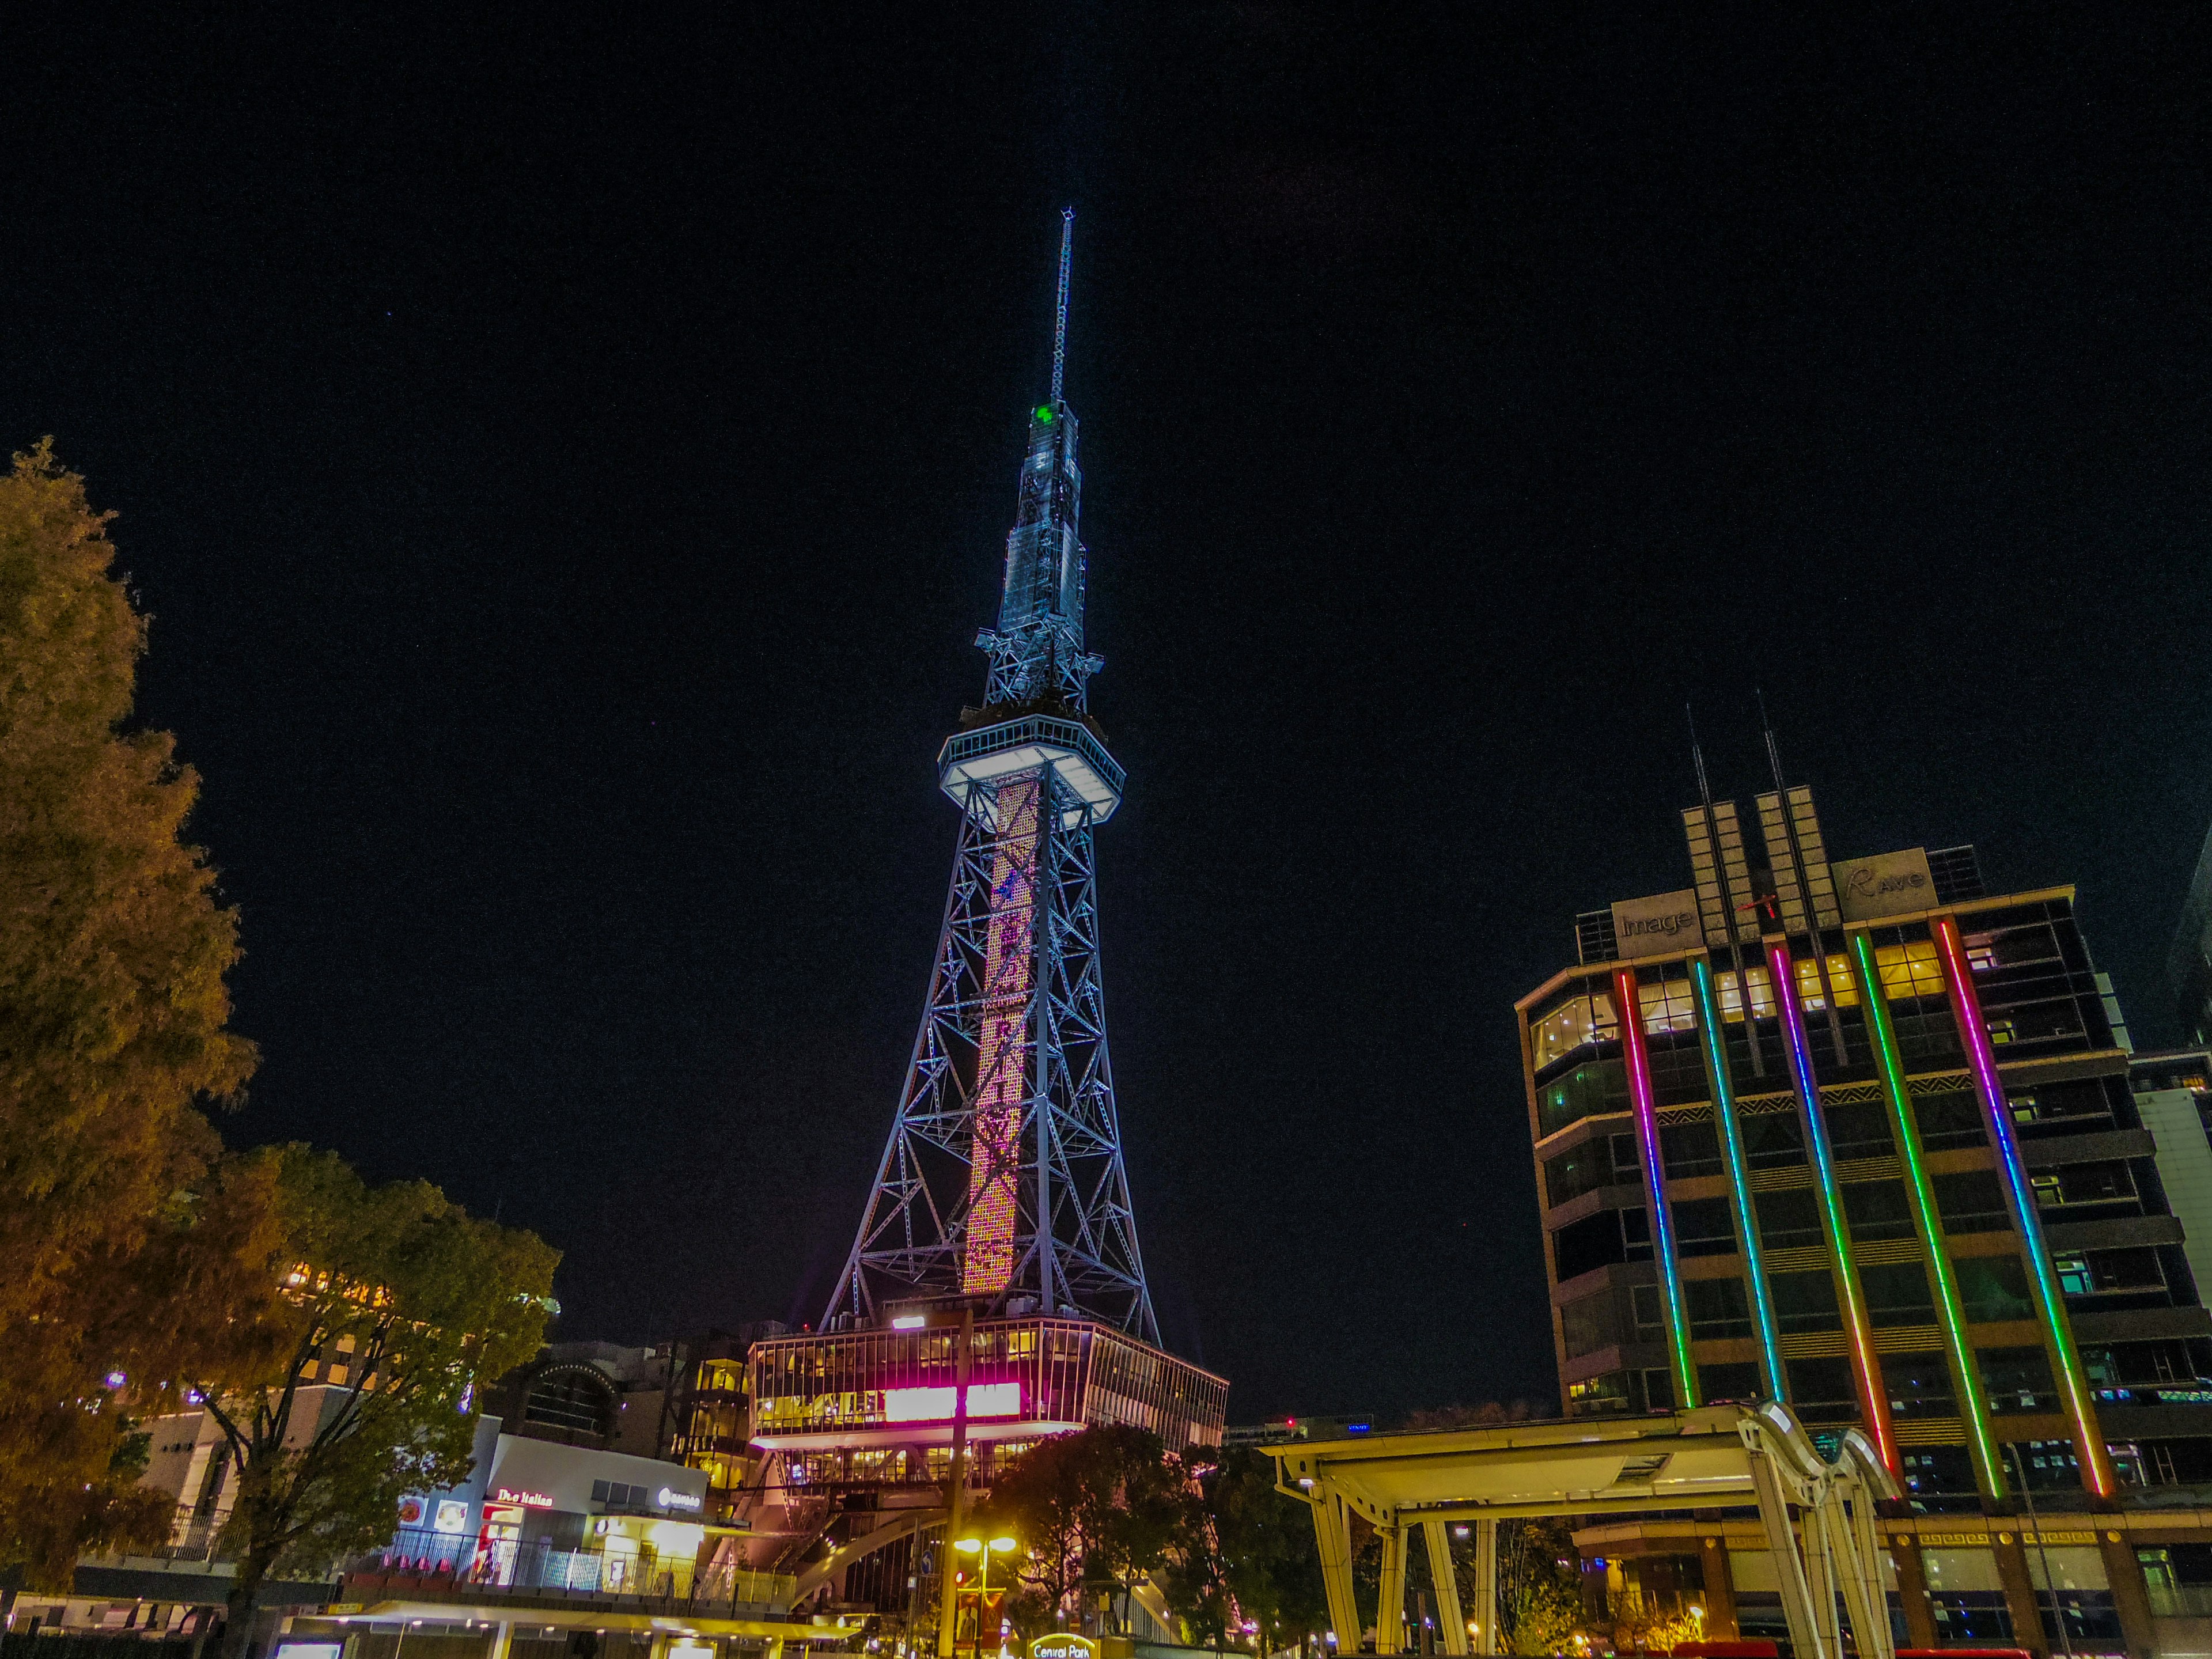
854 1430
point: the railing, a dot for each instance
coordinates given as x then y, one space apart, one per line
462 1563
1046 728
2196 1393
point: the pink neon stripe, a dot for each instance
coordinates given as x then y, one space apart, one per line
1002 1057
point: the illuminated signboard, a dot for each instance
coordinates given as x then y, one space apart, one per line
529 1500
670 1499
1002 1054
452 1516
935 1405
1063 1644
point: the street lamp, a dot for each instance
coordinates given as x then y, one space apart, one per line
983 1550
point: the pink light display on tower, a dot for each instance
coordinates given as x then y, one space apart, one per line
1002 1054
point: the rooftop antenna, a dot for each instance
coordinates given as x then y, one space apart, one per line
1060 316
1745 999
1804 884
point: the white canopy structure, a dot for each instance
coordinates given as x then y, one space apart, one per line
1717 1457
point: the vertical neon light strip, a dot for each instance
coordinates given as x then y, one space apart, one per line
1709 1021
995 1161
1989 1470
1631 1019
1872 1398
1967 1006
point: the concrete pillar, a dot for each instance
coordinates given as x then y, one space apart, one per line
503 1638
1912 1589
2020 1594
1390 1604
1720 1588
1332 1541
1452 1620
2130 1596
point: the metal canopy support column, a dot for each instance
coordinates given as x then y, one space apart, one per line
1485 1586
1788 1567
1390 1602
1851 1525
1451 1621
1332 1539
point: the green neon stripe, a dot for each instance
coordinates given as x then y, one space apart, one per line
1783 968
1925 1217
1709 1020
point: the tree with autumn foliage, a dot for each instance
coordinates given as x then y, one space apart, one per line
127 1247
396 1308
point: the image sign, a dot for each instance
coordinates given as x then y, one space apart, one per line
1657 926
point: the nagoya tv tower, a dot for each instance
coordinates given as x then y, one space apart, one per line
1002 1184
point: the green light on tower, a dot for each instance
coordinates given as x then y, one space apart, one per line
1044 413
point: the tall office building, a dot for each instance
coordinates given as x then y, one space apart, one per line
1859 1136
2189 963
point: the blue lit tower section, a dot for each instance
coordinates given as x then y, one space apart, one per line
1002 1183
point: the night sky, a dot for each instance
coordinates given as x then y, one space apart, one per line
567 457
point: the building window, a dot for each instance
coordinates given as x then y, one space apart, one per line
1578 1021
1949 1120
1804 1302
2017 1379
1589 1323
1878 1210
2107 1273
1593 1088
1650 1316
1993 1288
1789 1219
1668 1004
1731 995
1690 1149
1595 1395
1972 1201
1773 1141
1718 1308
1897 1294
1918 1385
1859 1129
2049 1465
1822 1390
1704 1226
1716 1383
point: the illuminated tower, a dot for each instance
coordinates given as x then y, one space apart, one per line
1003 1179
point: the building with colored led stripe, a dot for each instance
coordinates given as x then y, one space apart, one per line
999 1220
1860 1135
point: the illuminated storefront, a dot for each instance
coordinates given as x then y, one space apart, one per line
875 1407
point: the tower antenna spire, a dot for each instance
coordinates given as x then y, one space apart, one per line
1060 315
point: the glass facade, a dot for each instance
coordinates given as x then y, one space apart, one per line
875 1406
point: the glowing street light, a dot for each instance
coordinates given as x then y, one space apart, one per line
983 1550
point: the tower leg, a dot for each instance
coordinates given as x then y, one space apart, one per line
1390 1604
1333 1540
1451 1622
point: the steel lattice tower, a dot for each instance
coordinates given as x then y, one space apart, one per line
1003 1178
